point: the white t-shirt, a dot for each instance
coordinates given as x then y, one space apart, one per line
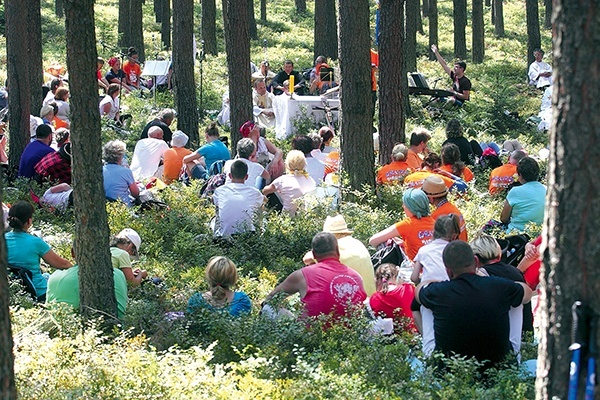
114 106
291 187
430 257
237 205
254 171
316 169
146 157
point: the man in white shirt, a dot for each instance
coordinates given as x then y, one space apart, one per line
148 154
237 204
245 151
540 73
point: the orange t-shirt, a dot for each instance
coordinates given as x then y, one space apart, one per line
132 72
332 162
502 177
374 67
415 180
415 233
413 160
173 161
449 208
394 172
467 174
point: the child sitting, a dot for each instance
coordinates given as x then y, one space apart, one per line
392 300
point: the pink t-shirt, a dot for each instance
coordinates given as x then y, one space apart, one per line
331 287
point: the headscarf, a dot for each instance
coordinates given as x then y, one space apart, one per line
417 202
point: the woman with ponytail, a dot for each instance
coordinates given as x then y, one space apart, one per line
221 276
25 250
392 300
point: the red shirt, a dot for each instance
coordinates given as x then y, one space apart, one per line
54 168
395 303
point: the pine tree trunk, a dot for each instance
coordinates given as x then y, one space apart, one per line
570 271
460 23
136 29
355 93
433 27
158 4
209 29
300 6
237 43
123 28
326 35
183 68
96 282
253 32
34 54
263 11
18 78
498 18
548 14
410 38
425 8
392 104
419 19
59 10
534 40
165 27
478 32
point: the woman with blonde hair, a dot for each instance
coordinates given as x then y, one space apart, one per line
221 276
291 186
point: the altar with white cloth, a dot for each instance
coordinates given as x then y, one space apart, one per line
287 108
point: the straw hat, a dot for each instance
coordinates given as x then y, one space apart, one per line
336 224
434 186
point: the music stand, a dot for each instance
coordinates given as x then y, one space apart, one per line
326 74
154 69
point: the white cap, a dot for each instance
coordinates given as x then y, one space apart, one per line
179 139
132 236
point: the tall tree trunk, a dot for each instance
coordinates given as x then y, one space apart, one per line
325 34
59 8
425 8
34 54
410 38
460 23
183 68
237 43
534 40
419 19
548 14
571 229
18 79
478 32
123 27
136 29
433 27
355 93
263 11
252 31
391 84
300 6
96 282
209 27
498 18
158 8
165 27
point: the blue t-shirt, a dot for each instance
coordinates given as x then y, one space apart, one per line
116 182
25 250
214 151
528 204
32 155
239 305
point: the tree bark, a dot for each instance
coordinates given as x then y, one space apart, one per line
478 32
123 27
460 23
425 8
237 43
419 19
209 27
263 11
300 6
498 18
96 282
548 14
136 29
158 4
410 38
357 157
34 54
433 27
165 27
534 40
326 35
59 10
392 115
571 229
19 100
252 31
183 68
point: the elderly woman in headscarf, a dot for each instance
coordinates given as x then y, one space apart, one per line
291 186
267 154
416 230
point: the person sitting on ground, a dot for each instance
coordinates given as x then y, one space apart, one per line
531 263
3 139
284 75
392 298
238 205
461 304
123 247
199 164
25 250
54 85
264 73
525 204
62 136
132 69
353 253
61 119
109 105
58 197
173 157
451 162
314 167
429 167
454 135
63 287
327 135
291 186
327 287
418 145
263 105
437 193
148 155
102 82
163 121
540 73
267 154
461 86
397 170
119 183
504 176
55 166
35 151
257 175
416 230
221 276
116 75
48 112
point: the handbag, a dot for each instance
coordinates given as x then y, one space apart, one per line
391 252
